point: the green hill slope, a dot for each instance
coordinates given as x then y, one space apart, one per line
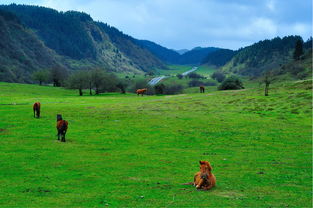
80 41
261 56
21 52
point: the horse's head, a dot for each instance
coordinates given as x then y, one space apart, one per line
205 166
59 117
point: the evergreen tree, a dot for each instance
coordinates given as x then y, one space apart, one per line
298 49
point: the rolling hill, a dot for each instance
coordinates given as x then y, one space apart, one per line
261 56
191 57
219 57
21 52
73 38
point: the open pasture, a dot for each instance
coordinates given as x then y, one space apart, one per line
124 150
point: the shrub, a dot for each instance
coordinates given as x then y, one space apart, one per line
173 89
137 84
231 83
197 83
218 76
179 76
159 89
194 75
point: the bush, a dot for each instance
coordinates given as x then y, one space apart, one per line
218 76
173 89
231 83
194 75
179 76
197 83
137 84
159 89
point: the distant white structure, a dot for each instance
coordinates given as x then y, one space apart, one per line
191 70
155 80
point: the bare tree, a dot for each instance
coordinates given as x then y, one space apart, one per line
41 76
78 80
267 79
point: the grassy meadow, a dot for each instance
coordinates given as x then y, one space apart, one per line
129 151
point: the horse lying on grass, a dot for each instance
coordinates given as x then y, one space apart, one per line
62 126
141 91
36 108
204 179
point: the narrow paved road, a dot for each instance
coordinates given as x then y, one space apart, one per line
155 80
191 70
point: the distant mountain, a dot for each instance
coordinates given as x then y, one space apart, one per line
261 56
219 57
196 55
182 51
192 57
164 54
72 38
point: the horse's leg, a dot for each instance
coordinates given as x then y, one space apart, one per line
201 181
63 136
34 113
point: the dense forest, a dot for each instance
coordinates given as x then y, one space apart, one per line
263 55
169 56
72 38
219 58
21 52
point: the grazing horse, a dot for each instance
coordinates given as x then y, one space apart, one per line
36 108
204 179
202 89
141 91
61 127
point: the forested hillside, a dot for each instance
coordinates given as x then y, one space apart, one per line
71 37
21 52
263 55
129 46
163 53
219 58
192 57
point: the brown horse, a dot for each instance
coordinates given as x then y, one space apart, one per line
62 126
141 91
202 88
204 179
36 108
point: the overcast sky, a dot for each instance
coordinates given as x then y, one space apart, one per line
181 24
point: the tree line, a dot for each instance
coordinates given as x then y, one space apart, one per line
95 80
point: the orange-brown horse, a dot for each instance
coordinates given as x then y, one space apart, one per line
36 108
204 179
62 126
202 88
141 91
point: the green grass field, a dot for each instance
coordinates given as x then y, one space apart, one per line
129 151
